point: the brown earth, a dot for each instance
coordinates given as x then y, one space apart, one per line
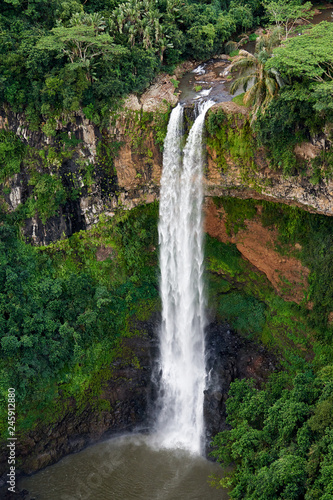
257 245
103 253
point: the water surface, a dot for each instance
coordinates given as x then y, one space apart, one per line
126 468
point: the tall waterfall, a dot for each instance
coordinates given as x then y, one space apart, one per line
182 362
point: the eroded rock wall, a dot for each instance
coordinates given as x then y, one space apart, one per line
257 244
237 167
119 166
101 169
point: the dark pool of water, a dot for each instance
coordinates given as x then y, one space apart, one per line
126 468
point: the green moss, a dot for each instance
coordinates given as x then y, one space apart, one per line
140 124
300 336
231 135
238 99
223 258
237 211
146 308
245 312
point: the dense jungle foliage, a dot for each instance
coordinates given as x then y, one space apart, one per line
62 55
281 442
300 106
62 311
281 438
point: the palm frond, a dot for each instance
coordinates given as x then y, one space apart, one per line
271 86
242 64
251 96
245 53
241 82
230 46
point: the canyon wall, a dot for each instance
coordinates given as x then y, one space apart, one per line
102 170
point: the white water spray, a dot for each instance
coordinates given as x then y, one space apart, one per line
180 422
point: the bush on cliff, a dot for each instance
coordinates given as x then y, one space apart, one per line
62 310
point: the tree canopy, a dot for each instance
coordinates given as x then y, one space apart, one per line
60 56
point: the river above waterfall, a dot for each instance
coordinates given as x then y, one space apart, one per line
126 468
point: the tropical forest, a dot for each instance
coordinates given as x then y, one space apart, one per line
166 250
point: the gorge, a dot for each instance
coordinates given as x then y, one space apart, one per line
89 216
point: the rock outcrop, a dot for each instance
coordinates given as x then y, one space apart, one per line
243 171
257 245
229 357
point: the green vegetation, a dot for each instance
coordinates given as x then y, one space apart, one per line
263 83
281 439
11 154
247 300
63 311
239 99
285 14
58 57
231 134
65 308
302 107
303 235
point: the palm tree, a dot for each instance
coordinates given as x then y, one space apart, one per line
260 85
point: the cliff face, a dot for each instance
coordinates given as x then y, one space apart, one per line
257 243
104 170
100 170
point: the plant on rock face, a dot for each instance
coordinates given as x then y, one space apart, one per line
260 85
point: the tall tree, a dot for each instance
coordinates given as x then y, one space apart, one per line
309 57
285 14
82 42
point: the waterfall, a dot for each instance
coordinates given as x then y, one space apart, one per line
182 359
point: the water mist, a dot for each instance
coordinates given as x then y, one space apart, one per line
182 359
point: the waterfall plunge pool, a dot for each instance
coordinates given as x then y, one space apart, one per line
126 468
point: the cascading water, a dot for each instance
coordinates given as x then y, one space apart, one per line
182 361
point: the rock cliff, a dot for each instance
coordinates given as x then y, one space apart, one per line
237 167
